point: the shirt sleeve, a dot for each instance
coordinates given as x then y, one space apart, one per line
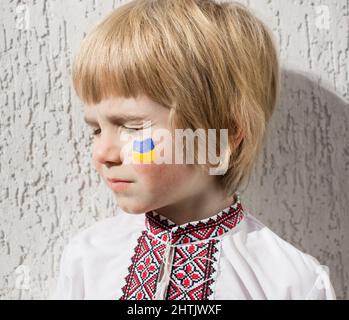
70 285
322 288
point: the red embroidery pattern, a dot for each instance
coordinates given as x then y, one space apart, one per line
144 269
198 230
194 264
195 277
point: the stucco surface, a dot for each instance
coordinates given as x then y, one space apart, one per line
50 190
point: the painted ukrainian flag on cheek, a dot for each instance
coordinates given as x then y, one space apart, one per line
143 150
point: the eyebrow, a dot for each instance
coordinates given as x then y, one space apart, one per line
118 119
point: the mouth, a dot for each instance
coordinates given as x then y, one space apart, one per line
119 184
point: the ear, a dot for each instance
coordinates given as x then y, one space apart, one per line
236 139
239 137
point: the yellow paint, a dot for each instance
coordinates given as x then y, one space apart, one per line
145 157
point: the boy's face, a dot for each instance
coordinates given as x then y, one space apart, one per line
152 186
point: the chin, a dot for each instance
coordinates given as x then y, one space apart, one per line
132 209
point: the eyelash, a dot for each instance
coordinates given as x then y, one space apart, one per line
94 132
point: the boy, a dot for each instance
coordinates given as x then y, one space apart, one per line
180 233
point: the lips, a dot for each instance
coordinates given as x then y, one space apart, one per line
118 184
117 180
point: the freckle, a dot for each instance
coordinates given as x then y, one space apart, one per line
155 169
143 167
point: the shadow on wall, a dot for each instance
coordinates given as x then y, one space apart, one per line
302 175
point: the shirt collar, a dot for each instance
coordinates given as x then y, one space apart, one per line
211 227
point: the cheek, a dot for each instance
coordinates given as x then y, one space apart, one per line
161 176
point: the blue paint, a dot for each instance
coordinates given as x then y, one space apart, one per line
143 146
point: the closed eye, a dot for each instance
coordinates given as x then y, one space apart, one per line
97 131
136 129
148 124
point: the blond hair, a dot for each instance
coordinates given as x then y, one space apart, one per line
214 64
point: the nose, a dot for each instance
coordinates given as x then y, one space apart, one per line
107 148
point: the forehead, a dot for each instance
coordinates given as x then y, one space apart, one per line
141 106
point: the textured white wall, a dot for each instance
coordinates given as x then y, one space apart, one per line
49 189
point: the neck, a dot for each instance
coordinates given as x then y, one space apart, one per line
202 205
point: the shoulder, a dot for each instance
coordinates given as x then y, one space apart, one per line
93 249
105 237
286 270
112 229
